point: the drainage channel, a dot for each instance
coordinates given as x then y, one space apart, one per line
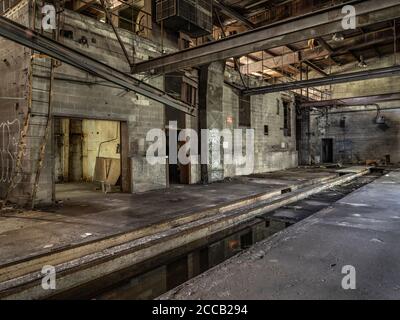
167 271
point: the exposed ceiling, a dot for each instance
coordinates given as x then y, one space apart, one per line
319 55
294 60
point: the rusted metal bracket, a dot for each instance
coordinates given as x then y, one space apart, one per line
111 22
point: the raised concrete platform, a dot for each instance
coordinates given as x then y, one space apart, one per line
353 169
89 261
305 261
86 215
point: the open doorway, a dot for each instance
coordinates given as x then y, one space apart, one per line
327 150
90 156
182 86
177 173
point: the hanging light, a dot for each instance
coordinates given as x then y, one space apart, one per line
362 63
337 37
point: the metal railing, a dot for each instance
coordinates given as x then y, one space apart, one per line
6 5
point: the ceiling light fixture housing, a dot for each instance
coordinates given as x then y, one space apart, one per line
337 37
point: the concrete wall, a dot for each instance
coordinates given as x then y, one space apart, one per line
361 139
107 102
211 84
14 70
274 151
79 95
100 138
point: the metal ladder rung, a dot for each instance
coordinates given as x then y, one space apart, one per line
37 114
34 137
38 89
38 124
41 66
34 100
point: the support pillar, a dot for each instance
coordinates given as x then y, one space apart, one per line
211 117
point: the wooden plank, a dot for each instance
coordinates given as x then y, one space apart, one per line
107 170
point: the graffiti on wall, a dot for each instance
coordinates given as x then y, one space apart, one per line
10 133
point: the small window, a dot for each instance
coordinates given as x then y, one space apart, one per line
68 34
244 111
266 131
343 122
189 94
278 107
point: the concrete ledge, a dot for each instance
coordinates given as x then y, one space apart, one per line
21 281
305 261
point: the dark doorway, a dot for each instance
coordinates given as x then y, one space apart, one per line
177 173
327 150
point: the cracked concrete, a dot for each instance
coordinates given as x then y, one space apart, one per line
305 261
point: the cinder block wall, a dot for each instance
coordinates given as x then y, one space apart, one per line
14 91
268 152
79 95
361 139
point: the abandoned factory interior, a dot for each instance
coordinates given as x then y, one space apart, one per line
199 150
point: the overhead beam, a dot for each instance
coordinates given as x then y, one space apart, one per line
288 31
327 47
264 2
233 13
379 41
365 37
78 5
284 60
31 39
315 68
109 16
353 101
329 80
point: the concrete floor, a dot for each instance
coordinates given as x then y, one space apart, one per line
305 261
86 215
302 209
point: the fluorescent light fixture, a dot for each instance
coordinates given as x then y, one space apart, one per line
337 37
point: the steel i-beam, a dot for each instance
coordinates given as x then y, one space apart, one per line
29 38
332 79
310 26
353 101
